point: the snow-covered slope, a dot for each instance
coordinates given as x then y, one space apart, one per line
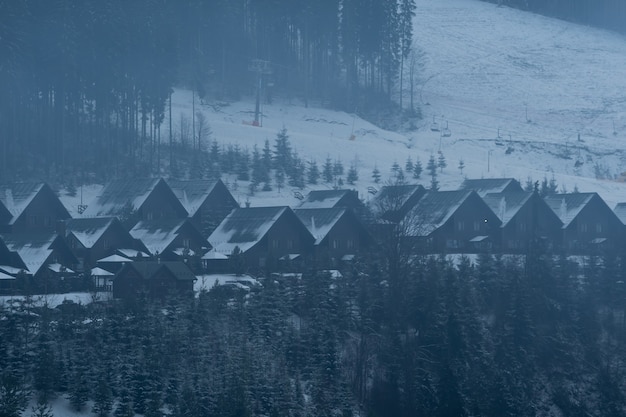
554 93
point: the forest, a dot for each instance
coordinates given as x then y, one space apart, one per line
86 84
398 335
607 14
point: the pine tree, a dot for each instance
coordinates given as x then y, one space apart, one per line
313 172
337 168
376 175
408 166
461 166
42 409
432 166
327 171
353 175
441 163
417 169
103 398
282 150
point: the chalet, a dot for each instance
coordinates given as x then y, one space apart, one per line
324 199
207 202
526 220
392 202
131 200
29 208
45 256
151 279
588 222
486 186
91 239
262 235
170 239
452 221
620 212
338 233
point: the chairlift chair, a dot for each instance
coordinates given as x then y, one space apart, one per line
434 126
446 133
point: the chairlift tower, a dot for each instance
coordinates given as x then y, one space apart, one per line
261 67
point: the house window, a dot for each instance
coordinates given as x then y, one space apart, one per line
583 227
452 243
289 244
275 244
186 243
32 220
150 215
598 227
476 226
460 226
522 227
350 243
335 244
47 221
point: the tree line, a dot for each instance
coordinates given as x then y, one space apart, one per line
607 14
396 335
86 83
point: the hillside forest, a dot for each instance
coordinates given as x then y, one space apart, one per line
86 84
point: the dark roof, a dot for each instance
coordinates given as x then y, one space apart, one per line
88 230
485 186
15 198
620 212
326 198
33 249
435 209
149 269
320 221
118 194
506 205
568 206
396 199
193 193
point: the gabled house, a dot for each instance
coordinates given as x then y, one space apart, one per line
29 207
392 202
207 202
262 235
337 231
91 239
588 222
486 186
325 199
45 256
131 200
170 239
152 279
452 221
526 221
620 212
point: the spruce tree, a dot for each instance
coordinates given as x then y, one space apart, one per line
441 162
313 172
353 175
408 166
376 175
327 171
417 169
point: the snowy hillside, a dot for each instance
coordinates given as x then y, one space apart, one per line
554 92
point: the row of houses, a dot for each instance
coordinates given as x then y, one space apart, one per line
177 228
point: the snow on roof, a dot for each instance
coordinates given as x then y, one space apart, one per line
10 269
319 221
149 269
114 259
57 267
506 205
434 209
131 253
99 272
117 194
15 197
484 186
568 206
244 227
88 230
34 249
323 199
192 193
213 254
208 281
157 235
620 211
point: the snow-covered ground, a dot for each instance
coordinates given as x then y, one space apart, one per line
553 91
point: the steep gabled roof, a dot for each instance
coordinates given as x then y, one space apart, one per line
193 193
486 186
245 227
320 221
620 212
149 269
88 230
34 249
394 201
16 197
326 198
118 195
436 208
157 235
506 205
568 206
